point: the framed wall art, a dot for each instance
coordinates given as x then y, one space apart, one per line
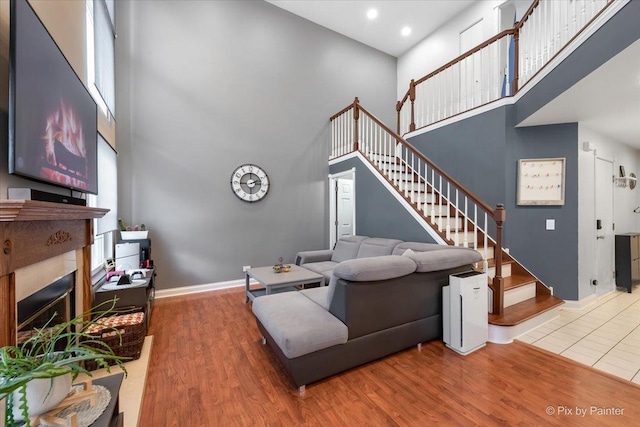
541 181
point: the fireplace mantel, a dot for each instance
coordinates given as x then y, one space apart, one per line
31 210
32 231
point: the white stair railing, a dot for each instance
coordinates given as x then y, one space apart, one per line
547 27
482 75
454 211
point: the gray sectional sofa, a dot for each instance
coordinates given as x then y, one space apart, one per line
384 295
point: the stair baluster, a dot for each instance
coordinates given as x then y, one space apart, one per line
466 228
448 211
433 200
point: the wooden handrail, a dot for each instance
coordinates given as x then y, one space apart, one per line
421 156
341 112
467 54
481 46
515 32
527 14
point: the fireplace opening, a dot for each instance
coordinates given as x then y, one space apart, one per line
54 304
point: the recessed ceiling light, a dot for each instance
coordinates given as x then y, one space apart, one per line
372 14
405 31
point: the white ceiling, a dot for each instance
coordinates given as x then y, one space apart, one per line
607 100
349 17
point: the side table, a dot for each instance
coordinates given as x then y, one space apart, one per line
141 295
271 280
111 417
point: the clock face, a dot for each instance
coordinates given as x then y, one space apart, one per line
250 183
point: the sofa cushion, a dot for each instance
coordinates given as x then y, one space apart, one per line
418 247
325 268
298 325
376 247
347 248
443 259
318 295
306 257
375 268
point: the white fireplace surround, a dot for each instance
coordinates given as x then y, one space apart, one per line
34 277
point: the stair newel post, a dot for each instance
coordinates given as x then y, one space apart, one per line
499 216
412 98
516 61
398 109
356 116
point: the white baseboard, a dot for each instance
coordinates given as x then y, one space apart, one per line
584 302
506 334
186 290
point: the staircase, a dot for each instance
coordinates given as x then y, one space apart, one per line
516 297
499 67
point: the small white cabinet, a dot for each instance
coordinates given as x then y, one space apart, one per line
465 312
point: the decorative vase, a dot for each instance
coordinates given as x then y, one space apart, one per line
43 394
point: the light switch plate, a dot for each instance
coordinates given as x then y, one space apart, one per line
551 224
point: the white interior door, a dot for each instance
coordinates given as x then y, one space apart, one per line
345 207
604 226
470 68
342 206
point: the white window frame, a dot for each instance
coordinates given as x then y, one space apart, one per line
91 63
102 247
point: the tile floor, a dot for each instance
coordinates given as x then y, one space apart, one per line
604 335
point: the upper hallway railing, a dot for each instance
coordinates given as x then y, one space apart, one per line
500 66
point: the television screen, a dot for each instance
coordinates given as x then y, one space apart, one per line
52 116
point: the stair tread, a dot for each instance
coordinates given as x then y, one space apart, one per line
517 280
525 310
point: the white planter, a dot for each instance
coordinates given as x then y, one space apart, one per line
42 395
134 235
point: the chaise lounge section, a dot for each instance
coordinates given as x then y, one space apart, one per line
374 305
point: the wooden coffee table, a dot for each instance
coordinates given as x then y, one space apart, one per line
278 282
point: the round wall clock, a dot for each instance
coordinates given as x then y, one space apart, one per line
250 183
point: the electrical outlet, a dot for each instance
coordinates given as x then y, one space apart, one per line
246 267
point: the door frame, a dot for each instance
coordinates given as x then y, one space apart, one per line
333 202
598 157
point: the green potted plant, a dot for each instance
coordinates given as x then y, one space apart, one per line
36 375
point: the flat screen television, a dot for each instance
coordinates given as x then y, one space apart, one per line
52 117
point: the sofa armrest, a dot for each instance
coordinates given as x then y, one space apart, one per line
443 259
307 257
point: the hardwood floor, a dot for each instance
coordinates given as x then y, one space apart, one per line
208 368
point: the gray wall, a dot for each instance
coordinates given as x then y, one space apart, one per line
378 213
205 86
478 141
550 255
482 152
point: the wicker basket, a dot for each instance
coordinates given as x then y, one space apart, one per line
124 334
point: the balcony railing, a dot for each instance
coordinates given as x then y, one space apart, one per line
499 67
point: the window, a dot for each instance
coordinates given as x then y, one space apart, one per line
101 53
105 227
100 18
